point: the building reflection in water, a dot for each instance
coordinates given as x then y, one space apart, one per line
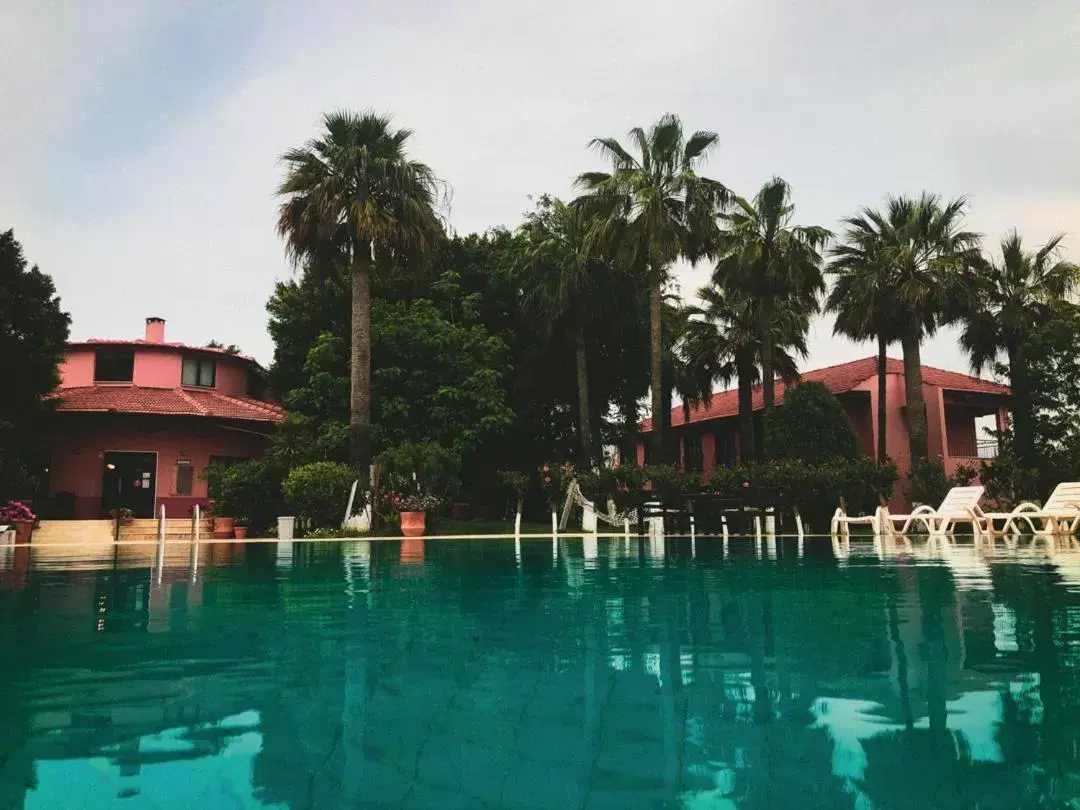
318 675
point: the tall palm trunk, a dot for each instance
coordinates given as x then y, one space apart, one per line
656 369
913 388
768 392
1023 429
746 410
360 363
584 429
882 389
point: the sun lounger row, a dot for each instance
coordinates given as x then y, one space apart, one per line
1059 515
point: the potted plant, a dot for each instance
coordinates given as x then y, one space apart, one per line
18 514
240 528
412 509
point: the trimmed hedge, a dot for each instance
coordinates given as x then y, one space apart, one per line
810 426
319 492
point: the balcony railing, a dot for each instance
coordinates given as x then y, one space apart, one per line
980 448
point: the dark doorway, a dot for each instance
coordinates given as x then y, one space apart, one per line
130 481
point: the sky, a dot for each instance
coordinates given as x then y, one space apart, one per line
141 138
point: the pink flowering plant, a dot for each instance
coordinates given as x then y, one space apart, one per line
16 510
414 502
554 479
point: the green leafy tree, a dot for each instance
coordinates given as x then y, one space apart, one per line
921 252
723 340
862 300
761 253
560 282
1012 298
651 209
354 196
810 426
33 337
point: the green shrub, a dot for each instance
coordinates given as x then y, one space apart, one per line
425 467
319 492
927 484
517 484
554 479
248 490
599 485
814 489
810 426
670 482
1008 484
629 480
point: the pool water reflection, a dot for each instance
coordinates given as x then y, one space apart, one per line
591 673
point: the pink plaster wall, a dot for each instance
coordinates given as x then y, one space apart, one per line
231 377
80 442
859 414
937 441
77 370
708 452
960 428
157 368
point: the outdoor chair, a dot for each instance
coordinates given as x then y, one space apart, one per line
961 505
1059 515
841 521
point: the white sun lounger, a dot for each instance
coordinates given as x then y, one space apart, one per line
1059 515
961 505
841 521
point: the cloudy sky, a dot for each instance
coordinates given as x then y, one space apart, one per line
141 137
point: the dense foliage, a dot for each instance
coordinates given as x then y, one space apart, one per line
33 334
810 426
928 483
319 492
1052 358
520 348
249 491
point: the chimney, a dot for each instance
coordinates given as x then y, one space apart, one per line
155 330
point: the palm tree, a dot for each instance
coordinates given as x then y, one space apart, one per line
1013 297
922 252
559 281
649 210
353 195
779 264
863 303
723 341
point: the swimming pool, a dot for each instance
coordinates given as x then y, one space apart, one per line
588 674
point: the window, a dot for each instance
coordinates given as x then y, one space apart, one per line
199 371
114 365
724 452
185 477
692 460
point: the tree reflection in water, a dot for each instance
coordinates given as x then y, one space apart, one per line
343 675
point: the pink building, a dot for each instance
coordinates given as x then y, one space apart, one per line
139 420
953 404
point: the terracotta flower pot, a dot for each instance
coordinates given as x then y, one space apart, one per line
412 523
224 527
23 530
240 532
412 551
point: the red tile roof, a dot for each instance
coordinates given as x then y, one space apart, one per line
164 401
147 344
839 379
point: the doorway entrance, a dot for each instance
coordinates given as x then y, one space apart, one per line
130 482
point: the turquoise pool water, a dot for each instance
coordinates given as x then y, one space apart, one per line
598 674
